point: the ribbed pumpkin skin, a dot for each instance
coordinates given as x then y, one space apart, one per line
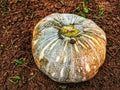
68 59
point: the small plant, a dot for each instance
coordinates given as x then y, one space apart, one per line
85 10
82 9
14 79
100 12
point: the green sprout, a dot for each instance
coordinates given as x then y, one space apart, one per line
100 12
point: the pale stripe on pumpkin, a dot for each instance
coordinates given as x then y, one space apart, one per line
53 74
87 67
82 44
92 48
66 43
62 72
72 73
47 39
76 48
47 67
34 42
90 37
42 52
53 45
57 58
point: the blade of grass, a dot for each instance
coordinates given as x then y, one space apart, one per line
14 79
32 77
20 62
62 2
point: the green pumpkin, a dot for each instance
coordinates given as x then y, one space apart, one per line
68 48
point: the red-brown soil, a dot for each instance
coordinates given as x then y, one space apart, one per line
17 20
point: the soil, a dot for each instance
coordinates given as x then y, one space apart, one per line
17 20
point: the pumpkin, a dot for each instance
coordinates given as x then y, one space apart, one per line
68 48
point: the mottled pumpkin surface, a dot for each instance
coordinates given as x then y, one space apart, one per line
68 48
17 21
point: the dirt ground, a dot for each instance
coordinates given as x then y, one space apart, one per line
17 20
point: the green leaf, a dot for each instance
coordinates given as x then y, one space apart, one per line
83 15
19 61
14 79
85 9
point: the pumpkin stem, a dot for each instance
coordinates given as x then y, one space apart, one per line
69 31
